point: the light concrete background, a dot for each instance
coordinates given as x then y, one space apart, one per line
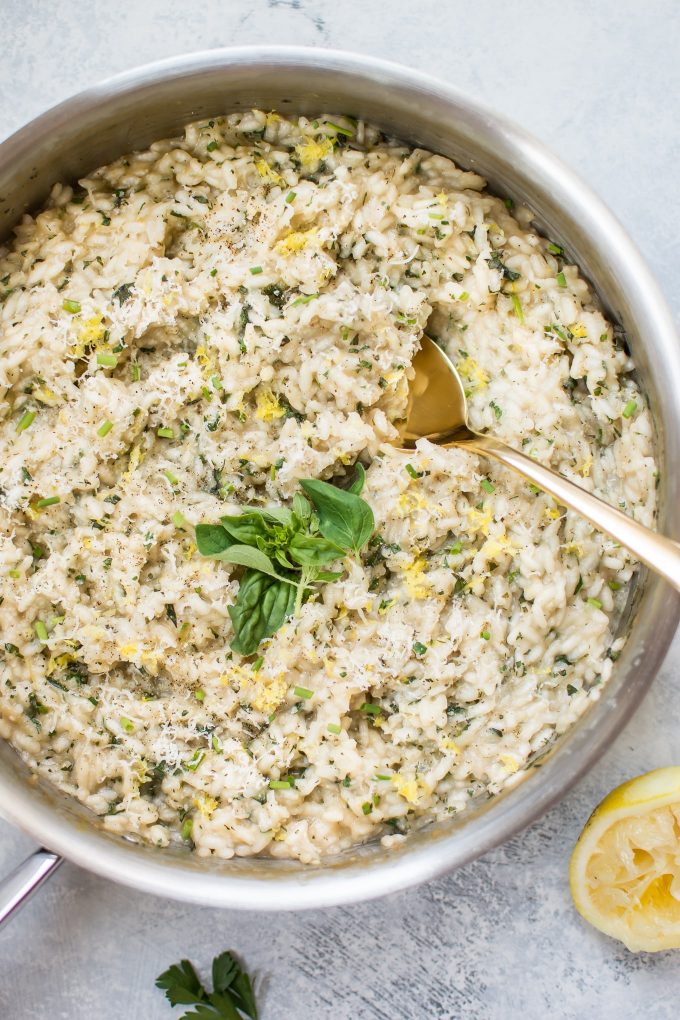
499 940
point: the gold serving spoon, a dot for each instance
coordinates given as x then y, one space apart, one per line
437 410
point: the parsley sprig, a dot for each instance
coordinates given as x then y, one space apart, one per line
232 997
286 552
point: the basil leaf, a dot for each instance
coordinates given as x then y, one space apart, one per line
309 551
302 508
247 556
246 528
280 514
345 519
262 605
328 575
358 480
212 539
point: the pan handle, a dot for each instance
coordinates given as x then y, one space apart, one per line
19 886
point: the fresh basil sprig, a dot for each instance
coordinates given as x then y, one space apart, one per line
286 552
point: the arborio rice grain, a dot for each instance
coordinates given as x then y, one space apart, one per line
256 290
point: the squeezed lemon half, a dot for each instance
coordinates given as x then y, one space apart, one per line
625 868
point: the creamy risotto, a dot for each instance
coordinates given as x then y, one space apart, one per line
198 327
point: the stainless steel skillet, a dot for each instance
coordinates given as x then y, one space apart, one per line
132 110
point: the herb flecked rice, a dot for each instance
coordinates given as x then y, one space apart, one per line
199 326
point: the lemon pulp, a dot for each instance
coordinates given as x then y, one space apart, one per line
625 868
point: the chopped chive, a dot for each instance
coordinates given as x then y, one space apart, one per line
47 501
71 306
614 585
561 280
463 296
419 648
255 270
555 249
136 372
187 827
368 708
334 728
105 428
412 471
367 807
485 635
213 272
303 692
195 761
517 305
498 411
340 130
211 146
257 665
178 519
595 603
630 409
304 300
107 360
172 478
40 630
199 694
280 784
26 420
380 778
15 574
290 197
127 724
487 486
165 432
509 204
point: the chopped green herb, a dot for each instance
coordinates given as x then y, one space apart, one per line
630 409
127 724
47 501
211 146
40 630
199 694
561 280
487 486
256 270
595 603
171 477
303 692
368 708
334 728
123 293
290 197
105 428
485 635
178 519
555 249
165 432
412 471
280 784
517 307
26 420
419 649
136 372
367 807
498 411
71 306
107 360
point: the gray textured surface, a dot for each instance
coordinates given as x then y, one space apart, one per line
498 940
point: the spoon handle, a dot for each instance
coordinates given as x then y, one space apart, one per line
658 552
